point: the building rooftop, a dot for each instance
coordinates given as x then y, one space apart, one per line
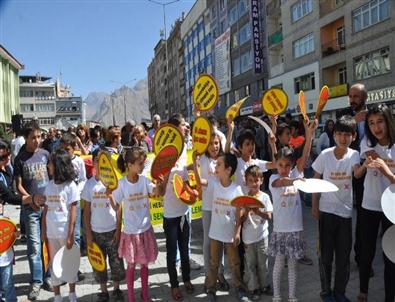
14 62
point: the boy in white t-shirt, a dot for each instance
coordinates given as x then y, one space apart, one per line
334 209
223 222
255 234
100 221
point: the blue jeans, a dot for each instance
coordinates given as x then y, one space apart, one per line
77 228
7 283
177 235
33 231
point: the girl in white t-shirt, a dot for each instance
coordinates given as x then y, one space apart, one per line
137 244
286 240
60 212
378 147
207 163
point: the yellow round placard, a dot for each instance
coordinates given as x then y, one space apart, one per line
168 134
106 171
96 257
274 101
205 93
201 134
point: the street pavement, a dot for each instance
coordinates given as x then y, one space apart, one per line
308 287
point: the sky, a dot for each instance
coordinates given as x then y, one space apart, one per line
96 45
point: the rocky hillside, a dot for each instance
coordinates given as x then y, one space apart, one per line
100 104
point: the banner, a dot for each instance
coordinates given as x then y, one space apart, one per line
222 62
256 39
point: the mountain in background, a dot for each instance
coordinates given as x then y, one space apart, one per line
99 105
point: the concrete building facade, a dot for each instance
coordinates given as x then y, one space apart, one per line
38 99
196 38
9 85
157 85
52 104
331 42
246 21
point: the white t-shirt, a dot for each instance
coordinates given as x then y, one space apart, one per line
242 167
79 168
252 233
338 172
103 217
207 171
375 182
59 199
135 204
287 208
174 207
223 215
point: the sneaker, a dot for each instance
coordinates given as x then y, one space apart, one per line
254 295
306 261
293 300
194 265
242 295
47 285
341 298
276 299
34 292
81 276
211 297
103 297
327 298
73 297
117 294
222 284
267 290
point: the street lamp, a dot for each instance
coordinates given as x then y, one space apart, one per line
164 4
124 98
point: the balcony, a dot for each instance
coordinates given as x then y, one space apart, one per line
333 47
328 6
273 8
275 38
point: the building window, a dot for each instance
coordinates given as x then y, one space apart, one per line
235 40
243 7
245 61
304 82
236 67
342 72
303 46
301 9
245 33
372 64
371 13
27 107
233 15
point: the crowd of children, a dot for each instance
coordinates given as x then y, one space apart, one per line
53 185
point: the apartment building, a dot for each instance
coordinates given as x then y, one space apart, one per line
9 85
331 42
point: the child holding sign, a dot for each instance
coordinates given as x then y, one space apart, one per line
255 234
380 173
286 241
221 191
137 244
60 212
101 227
